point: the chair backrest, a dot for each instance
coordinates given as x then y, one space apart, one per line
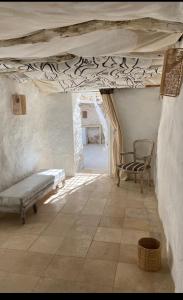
143 149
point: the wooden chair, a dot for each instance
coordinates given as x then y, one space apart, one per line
141 163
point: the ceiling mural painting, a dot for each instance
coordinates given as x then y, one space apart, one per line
88 72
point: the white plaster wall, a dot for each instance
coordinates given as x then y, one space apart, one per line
19 137
43 138
169 186
139 114
77 130
92 116
57 133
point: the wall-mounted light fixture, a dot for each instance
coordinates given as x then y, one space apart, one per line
19 104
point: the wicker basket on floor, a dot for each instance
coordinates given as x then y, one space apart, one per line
149 254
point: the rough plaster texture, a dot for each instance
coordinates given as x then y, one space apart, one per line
139 113
20 145
58 133
77 130
92 116
43 138
92 119
169 186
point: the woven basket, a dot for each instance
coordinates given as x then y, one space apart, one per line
149 254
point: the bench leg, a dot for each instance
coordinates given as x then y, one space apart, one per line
23 216
35 208
118 176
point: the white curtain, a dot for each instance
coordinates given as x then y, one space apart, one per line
117 143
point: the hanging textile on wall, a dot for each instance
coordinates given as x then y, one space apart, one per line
172 76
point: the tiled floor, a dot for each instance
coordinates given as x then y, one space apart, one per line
83 239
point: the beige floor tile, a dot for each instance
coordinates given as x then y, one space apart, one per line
9 257
61 225
17 283
79 196
51 207
87 220
19 242
94 207
31 263
73 206
94 288
139 224
105 234
63 267
151 204
114 211
46 244
81 232
113 201
9 228
74 247
112 222
48 285
104 251
41 217
163 283
67 222
132 203
32 229
4 237
138 213
129 278
98 271
131 236
128 254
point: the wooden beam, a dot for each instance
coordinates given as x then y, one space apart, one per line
152 85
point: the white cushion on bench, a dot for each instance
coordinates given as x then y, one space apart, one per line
25 189
59 174
30 186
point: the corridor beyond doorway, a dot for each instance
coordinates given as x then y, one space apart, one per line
94 137
99 151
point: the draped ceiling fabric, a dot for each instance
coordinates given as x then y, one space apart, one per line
69 46
117 142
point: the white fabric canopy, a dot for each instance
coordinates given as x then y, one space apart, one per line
45 31
20 18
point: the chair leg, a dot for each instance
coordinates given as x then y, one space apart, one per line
149 177
141 184
118 175
35 208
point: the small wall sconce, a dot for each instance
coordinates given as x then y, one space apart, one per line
19 104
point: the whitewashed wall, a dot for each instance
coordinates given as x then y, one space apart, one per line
92 116
57 133
169 187
77 130
43 138
20 145
139 113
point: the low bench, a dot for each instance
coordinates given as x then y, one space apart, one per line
24 194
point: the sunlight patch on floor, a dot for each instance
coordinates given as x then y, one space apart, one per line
72 185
